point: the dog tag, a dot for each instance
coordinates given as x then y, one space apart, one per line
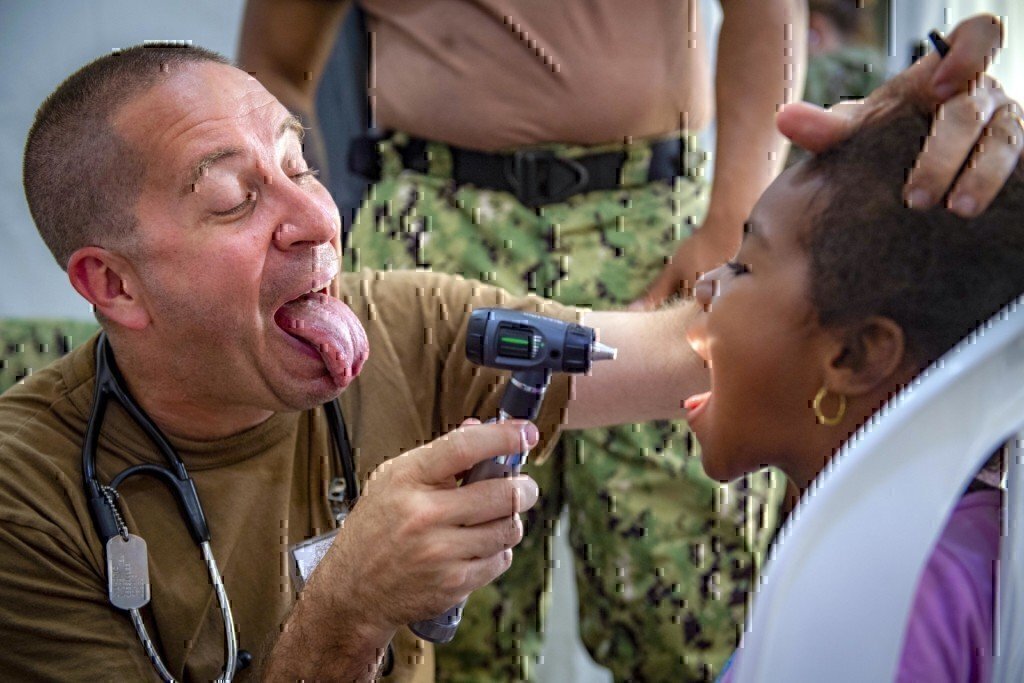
127 572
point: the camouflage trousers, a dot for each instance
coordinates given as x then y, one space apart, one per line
664 557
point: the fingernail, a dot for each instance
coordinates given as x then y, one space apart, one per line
528 491
919 198
963 205
530 434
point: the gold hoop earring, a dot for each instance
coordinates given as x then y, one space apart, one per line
820 416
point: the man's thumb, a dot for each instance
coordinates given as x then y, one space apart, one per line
816 129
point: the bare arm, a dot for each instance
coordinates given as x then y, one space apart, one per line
285 45
654 372
760 66
415 545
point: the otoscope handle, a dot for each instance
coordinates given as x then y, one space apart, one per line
492 469
442 628
532 346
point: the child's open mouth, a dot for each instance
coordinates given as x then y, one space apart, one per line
695 405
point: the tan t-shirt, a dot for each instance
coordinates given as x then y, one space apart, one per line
262 491
493 74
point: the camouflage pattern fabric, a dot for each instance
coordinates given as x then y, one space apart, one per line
664 557
848 73
28 345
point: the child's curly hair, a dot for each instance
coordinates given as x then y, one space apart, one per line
936 275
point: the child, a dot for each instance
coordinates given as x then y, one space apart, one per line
851 295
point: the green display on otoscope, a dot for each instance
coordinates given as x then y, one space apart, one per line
532 347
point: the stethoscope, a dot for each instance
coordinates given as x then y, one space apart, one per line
127 563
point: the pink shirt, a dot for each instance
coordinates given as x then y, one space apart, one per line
950 633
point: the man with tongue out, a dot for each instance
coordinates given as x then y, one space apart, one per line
172 188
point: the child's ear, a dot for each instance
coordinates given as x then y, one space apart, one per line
863 356
109 283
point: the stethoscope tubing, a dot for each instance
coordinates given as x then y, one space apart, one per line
109 523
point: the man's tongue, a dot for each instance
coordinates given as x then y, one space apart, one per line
330 327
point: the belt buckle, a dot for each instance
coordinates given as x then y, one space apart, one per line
539 177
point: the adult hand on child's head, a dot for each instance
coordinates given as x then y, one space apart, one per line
982 126
974 120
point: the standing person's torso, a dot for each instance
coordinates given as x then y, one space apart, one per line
489 74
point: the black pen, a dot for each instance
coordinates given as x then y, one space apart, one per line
941 46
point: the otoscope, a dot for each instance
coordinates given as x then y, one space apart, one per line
532 347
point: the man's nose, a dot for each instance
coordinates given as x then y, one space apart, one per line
305 220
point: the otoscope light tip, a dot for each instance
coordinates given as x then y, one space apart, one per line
599 351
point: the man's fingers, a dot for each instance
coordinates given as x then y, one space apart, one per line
483 502
485 540
996 156
956 128
442 459
934 79
972 46
486 500
483 570
927 83
459 579
816 129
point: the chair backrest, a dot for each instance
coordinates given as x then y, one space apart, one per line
838 586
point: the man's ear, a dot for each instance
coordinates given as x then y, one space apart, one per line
109 283
865 356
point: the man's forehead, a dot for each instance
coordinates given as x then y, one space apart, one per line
197 96
197 111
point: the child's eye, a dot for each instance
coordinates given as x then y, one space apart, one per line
738 268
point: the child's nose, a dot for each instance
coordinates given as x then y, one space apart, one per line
704 290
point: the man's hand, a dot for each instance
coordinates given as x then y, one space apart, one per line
442 541
975 121
415 545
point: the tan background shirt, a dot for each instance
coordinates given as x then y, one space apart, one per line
492 74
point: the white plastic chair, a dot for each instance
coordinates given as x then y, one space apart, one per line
838 586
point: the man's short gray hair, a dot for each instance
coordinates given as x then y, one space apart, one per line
81 178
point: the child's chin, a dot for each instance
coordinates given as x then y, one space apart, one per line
715 469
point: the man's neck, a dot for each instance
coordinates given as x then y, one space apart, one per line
187 419
179 412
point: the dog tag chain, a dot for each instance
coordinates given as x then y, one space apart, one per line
127 564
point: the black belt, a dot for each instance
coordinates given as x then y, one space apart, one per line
535 176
